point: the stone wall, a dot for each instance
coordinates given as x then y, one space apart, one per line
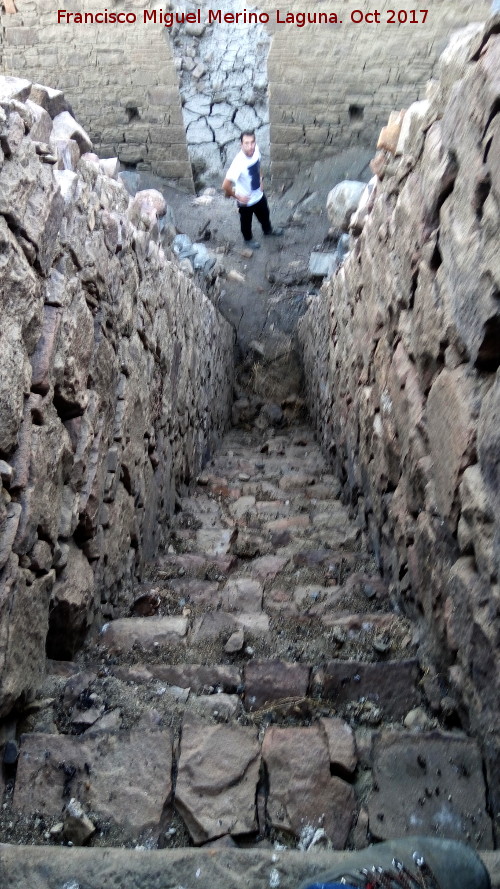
402 356
332 86
119 79
115 381
223 85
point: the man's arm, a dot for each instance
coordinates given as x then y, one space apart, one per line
229 190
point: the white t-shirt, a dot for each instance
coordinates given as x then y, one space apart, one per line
245 173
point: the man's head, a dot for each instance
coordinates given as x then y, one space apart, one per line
247 140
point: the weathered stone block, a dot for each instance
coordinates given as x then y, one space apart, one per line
476 525
9 520
145 632
65 127
428 783
451 424
49 460
217 779
52 100
411 127
407 399
126 783
41 129
242 594
201 679
302 794
29 195
12 134
72 606
23 628
14 382
268 681
389 685
14 88
489 444
341 744
72 360
470 614
43 356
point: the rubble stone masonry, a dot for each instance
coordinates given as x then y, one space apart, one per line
331 85
119 79
116 380
402 356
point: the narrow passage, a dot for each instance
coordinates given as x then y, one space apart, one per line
261 688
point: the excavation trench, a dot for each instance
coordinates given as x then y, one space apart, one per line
258 685
253 688
247 675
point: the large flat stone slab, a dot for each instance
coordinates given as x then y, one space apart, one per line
390 686
217 779
199 678
274 680
52 867
302 794
144 632
215 624
123 778
429 783
242 594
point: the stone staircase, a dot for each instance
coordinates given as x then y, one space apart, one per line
262 692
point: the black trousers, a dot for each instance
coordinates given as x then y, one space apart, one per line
261 210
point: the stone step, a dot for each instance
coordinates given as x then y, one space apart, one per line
299 622
220 866
258 689
203 511
315 775
146 633
194 565
387 689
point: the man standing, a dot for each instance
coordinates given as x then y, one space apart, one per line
244 183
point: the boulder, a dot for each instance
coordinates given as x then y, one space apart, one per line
14 88
65 127
41 129
341 203
52 100
389 135
23 629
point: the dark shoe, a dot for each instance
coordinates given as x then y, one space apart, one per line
409 863
254 245
275 233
